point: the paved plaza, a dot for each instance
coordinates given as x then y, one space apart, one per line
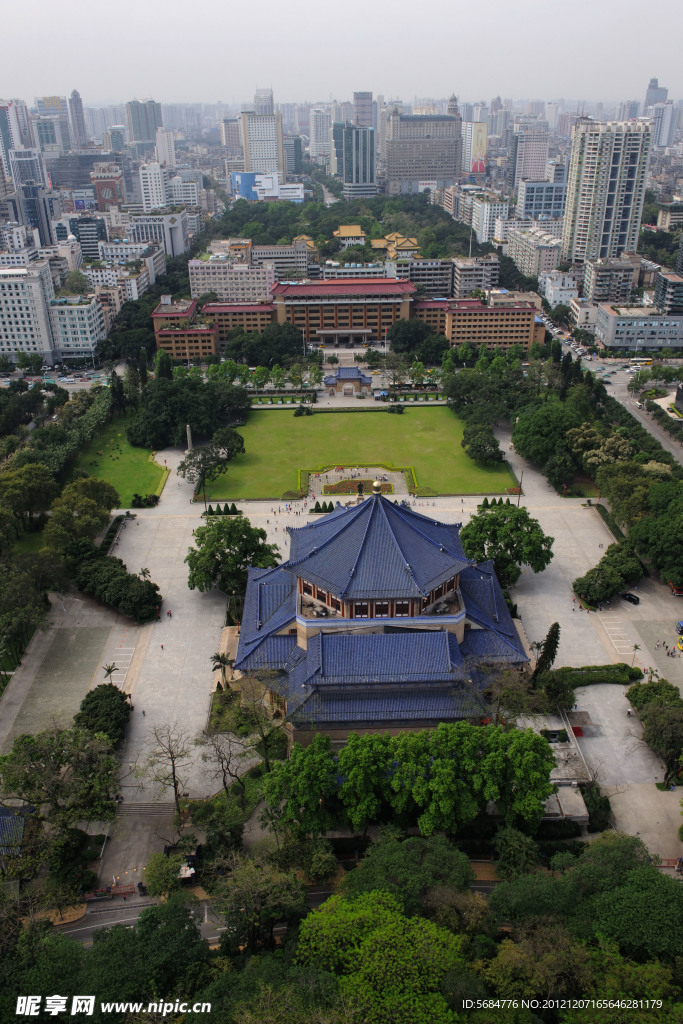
166 665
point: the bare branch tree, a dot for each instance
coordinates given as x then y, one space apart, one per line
226 755
168 758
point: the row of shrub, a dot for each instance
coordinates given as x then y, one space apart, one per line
660 707
621 674
326 506
108 580
109 536
232 510
610 521
145 500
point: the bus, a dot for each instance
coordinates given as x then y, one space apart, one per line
640 362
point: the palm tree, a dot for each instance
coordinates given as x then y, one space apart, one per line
222 661
144 574
109 671
636 647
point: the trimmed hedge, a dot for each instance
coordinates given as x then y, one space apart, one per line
108 580
621 674
610 522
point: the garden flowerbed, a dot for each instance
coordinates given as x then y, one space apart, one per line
351 487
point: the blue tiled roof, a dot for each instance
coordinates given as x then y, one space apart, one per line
349 373
269 607
486 607
12 825
377 550
355 659
413 704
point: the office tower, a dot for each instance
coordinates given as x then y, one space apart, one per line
474 144
56 107
48 135
319 146
262 143
655 94
263 101
154 186
422 151
480 112
231 138
114 139
556 170
27 165
358 162
605 188
552 112
107 179
467 112
627 110
144 117
40 207
288 112
540 199
293 154
165 147
79 135
527 156
5 187
663 123
362 109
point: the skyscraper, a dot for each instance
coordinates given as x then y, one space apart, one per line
655 94
263 101
144 117
358 162
422 151
154 186
79 135
605 188
663 122
362 109
527 156
165 147
57 108
262 143
27 165
319 146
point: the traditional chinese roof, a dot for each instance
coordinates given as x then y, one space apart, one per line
348 373
377 550
369 286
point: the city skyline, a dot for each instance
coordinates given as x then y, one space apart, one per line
572 60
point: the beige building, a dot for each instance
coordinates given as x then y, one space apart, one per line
422 151
534 252
468 320
262 143
474 272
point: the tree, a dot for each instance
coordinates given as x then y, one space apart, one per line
663 733
252 899
226 548
517 853
226 755
481 444
305 788
548 653
168 758
510 537
73 772
76 283
162 874
221 661
410 869
208 463
364 765
162 365
104 710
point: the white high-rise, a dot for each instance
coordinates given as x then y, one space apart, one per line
154 186
262 143
320 135
605 188
165 147
663 117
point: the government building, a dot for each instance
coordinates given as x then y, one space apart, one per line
377 622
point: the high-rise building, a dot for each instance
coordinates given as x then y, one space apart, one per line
527 156
319 145
230 135
362 109
263 101
144 117
262 142
10 133
540 199
107 179
57 107
358 162
655 94
293 153
423 151
669 292
474 145
25 297
40 207
114 139
605 188
627 110
27 165
48 135
165 147
79 135
663 123
154 186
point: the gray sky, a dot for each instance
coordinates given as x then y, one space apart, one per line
217 50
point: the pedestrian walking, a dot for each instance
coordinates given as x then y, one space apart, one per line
162 647
143 712
170 614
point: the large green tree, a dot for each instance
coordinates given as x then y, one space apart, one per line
226 548
104 710
511 538
252 899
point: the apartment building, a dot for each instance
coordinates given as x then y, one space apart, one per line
534 252
232 282
474 272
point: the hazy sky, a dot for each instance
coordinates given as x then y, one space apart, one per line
216 50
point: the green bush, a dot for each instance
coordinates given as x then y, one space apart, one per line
591 675
104 709
658 691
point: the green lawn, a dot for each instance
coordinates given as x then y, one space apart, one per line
278 445
130 470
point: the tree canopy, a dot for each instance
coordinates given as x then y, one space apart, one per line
511 538
226 548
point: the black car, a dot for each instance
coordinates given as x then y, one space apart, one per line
631 598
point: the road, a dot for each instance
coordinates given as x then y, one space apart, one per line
117 912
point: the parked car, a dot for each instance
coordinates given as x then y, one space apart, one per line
631 598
